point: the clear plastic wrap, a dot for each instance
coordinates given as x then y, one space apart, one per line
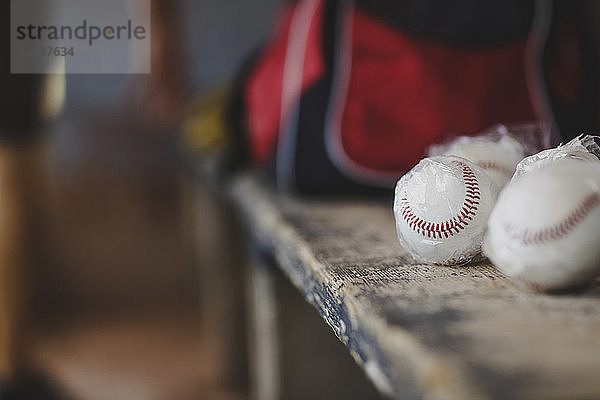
499 149
533 136
583 147
441 208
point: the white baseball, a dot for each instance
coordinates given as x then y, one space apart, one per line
441 208
545 229
497 157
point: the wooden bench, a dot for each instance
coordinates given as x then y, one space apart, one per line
418 331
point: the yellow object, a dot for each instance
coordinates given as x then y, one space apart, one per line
204 129
54 90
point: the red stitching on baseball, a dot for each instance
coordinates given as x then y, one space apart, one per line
453 225
493 165
557 231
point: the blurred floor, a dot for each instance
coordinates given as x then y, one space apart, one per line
135 358
120 311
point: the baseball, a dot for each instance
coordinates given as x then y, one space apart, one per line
441 208
498 157
545 228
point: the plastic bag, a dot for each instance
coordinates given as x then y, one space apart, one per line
499 149
583 147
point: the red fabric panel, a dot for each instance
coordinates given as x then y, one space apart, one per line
405 94
263 90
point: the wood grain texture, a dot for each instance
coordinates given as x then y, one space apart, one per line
422 331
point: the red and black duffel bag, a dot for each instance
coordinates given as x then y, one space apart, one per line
348 95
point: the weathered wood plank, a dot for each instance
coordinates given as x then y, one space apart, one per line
422 331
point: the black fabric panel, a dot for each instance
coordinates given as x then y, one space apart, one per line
314 171
583 116
19 94
238 153
459 22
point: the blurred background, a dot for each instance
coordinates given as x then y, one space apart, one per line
135 295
